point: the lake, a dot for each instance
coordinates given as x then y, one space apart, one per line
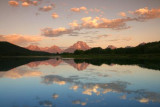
79 82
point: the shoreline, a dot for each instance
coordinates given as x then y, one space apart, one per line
98 56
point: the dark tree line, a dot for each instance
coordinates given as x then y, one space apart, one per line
148 48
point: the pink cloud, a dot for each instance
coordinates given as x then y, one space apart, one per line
87 23
123 14
13 3
46 8
25 4
20 39
55 32
79 9
101 22
96 10
74 24
55 15
145 13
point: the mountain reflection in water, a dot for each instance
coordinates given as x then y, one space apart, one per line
79 64
58 83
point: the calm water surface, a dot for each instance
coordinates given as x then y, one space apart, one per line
75 83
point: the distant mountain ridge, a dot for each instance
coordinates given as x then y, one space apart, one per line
80 45
52 49
77 46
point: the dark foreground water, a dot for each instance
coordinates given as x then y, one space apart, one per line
75 83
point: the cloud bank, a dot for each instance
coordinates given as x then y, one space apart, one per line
20 39
104 23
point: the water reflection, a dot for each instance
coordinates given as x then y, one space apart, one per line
10 63
79 102
55 96
58 82
79 64
141 63
46 103
140 95
52 62
18 73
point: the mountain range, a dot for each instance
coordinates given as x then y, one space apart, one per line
52 49
9 49
80 45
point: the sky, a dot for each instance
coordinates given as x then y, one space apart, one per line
99 23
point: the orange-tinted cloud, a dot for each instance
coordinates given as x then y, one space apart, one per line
145 13
13 3
55 15
75 9
97 22
29 2
79 9
116 24
74 24
89 22
84 9
35 2
55 32
25 4
96 10
123 14
101 23
46 8
20 39
142 11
